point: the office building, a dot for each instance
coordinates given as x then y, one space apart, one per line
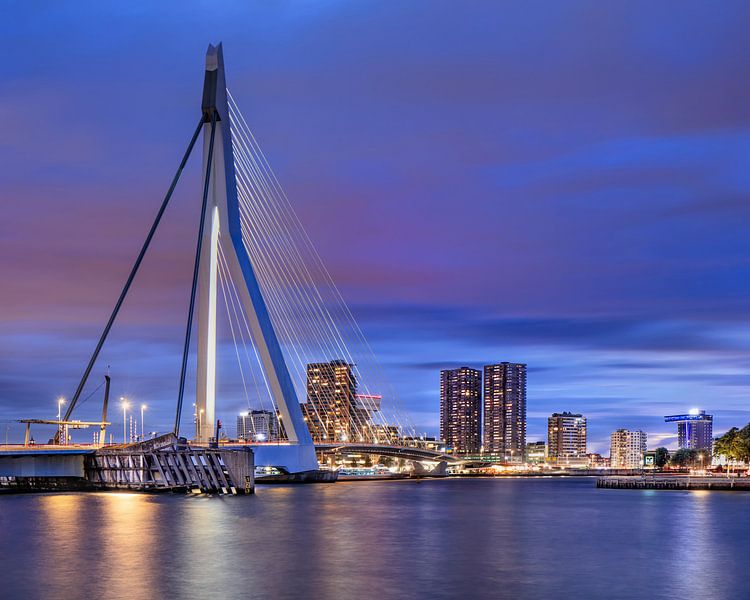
627 449
331 407
566 437
384 434
536 452
460 409
366 409
258 426
694 430
504 418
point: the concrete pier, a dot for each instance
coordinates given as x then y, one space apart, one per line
43 462
162 464
43 469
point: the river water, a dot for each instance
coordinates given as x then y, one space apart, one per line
457 538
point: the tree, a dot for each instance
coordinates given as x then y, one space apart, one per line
683 457
689 457
661 457
724 444
734 444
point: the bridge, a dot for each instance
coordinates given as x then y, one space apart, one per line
405 452
292 333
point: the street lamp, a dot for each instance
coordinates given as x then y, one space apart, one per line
125 406
143 437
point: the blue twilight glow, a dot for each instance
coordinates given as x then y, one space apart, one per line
563 184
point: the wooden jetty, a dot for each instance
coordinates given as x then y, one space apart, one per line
674 482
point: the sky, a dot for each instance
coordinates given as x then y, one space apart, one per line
561 184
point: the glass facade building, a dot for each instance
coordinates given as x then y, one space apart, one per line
694 430
258 426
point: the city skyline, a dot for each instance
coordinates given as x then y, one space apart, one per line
395 300
597 302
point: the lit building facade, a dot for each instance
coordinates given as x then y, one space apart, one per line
536 452
504 418
258 426
366 407
627 449
460 409
694 430
566 437
597 461
384 434
331 407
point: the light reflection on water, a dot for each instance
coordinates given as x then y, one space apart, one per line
479 538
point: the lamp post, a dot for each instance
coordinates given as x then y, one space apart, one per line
125 406
143 436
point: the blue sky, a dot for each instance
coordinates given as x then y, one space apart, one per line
561 184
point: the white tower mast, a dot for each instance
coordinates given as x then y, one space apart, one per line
222 215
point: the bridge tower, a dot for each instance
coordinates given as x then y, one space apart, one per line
222 228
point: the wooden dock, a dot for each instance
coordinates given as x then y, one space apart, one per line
674 482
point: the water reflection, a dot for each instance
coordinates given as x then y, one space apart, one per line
84 545
438 539
700 554
61 519
128 534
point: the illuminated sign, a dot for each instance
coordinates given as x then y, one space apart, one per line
703 417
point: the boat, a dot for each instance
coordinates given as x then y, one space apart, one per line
378 472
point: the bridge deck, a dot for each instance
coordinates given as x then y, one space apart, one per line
407 452
41 450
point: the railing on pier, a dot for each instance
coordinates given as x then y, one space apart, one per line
674 482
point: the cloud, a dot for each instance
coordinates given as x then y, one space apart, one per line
564 188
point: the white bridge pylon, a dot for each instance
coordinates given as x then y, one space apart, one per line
223 217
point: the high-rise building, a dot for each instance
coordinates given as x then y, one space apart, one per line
460 409
626 449
331 407
504 419
566 436
258 426
694 430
